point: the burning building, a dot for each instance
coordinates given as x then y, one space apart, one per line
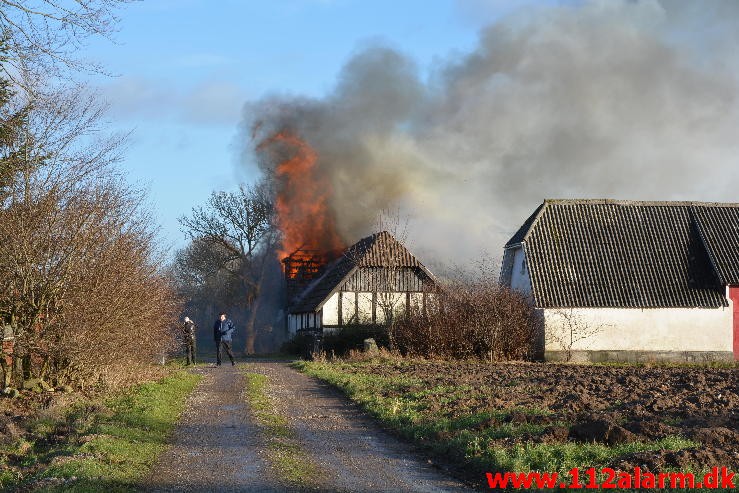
330 286
368 283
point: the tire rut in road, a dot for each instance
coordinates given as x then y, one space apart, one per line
353 452
216 446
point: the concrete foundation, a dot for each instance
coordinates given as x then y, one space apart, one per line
580 356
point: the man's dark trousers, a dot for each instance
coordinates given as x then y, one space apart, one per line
227 346
190 350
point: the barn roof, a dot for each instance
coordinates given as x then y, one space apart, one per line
606 253
377 250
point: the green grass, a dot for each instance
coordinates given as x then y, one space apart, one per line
290 462
442 419
104 445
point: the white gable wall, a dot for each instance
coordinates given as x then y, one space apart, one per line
364 308
331 310
520 278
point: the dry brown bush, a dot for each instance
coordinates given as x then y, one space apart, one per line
82 292
476 319
83 288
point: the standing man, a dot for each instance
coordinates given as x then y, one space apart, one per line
223 331
188 332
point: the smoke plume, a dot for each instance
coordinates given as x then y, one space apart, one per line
602 99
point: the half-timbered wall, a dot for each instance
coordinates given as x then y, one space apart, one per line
375 279
367 297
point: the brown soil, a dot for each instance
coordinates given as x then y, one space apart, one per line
605 404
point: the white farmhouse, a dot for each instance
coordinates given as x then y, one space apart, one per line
631 281
374 279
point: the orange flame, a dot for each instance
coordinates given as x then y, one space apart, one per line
303 213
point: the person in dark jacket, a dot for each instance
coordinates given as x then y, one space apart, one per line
223 331
188 334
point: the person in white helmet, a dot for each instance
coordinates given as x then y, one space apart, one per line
188 331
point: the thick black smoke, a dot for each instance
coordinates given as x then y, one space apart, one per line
603 99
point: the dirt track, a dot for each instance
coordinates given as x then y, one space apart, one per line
217 446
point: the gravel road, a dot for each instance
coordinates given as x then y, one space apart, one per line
218 447
215 447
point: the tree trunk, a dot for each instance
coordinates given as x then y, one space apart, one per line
7 370
251 333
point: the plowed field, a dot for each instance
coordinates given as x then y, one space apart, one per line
535 416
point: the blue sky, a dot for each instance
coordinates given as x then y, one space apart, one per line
183 70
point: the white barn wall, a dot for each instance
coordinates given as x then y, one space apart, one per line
417 302
653 329
394 302
364 308
331 310
357 304
348 307
657 330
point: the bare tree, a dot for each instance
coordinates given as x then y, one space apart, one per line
239 229
79 274
390 301
573 329
44 36
67 222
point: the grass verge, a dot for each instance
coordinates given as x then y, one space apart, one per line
477 440
100 444
291 463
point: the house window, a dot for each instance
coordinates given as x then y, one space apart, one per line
523 266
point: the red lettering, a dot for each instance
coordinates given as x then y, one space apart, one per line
613 479
710 480
727 478
624 480
687 480
575 475
591 474
648 480
661 479
610 476
522 480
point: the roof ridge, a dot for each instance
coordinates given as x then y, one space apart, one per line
683 203
371 251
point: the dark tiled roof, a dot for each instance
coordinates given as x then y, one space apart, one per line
603 253
377 250
521 233
719 228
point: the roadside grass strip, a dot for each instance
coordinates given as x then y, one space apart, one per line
422 414
98 445
290 462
